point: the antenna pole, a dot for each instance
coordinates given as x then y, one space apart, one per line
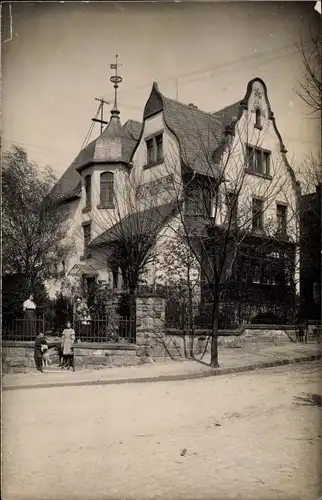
101 109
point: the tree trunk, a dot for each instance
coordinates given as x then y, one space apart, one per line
191 324
214 334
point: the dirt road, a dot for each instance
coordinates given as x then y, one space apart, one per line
248 436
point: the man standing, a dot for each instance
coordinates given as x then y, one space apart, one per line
40 345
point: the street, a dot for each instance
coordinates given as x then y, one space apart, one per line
247 436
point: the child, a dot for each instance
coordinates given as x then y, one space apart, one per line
40 346
67 344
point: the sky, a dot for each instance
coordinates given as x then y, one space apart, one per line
56 59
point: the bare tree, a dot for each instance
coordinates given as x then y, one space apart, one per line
222 200
182 285
34 227
309 89
126 236
310 173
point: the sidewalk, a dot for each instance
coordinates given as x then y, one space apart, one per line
230 360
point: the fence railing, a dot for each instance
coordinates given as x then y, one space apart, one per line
22 329
101 329
98 329
231 316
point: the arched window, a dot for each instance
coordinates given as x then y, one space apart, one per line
88 191
107 189
258 119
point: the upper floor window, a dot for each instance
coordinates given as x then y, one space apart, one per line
198 198
159 147
150 150
107 189
258 118
257 214
258 160
256 271
281 216
154 148
88 191
87 237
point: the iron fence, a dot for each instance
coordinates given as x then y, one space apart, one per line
231 315
22 329
102 329
98 329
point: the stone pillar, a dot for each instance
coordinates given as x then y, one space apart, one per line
150 326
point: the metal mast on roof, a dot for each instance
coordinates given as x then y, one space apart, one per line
116 79
101 111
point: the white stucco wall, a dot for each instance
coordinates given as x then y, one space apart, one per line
279 189
157 174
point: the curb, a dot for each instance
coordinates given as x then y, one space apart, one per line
170 378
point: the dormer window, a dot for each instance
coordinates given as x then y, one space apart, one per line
258 119
150 150
107 190
159 147
88 191
154 149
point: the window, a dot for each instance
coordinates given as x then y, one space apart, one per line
88 191
258 119
159 144
154 149
198 198
257 214
232 208
107 189
256 272
267 159
258 160
150 150
87 237
281 216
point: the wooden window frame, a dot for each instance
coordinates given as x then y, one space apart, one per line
281 230
258 119
261 214
86 252
154 158
107 203
253 152
88 192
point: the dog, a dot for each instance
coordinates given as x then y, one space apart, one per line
45 355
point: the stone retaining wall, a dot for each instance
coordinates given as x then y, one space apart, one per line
18 357
178 344
152 341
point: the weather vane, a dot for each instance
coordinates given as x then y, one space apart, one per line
116 79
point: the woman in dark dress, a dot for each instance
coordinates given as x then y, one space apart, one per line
29 309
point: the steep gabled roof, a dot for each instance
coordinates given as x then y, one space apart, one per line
229 114
68 186
116 144
146 222
133 128
198 132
